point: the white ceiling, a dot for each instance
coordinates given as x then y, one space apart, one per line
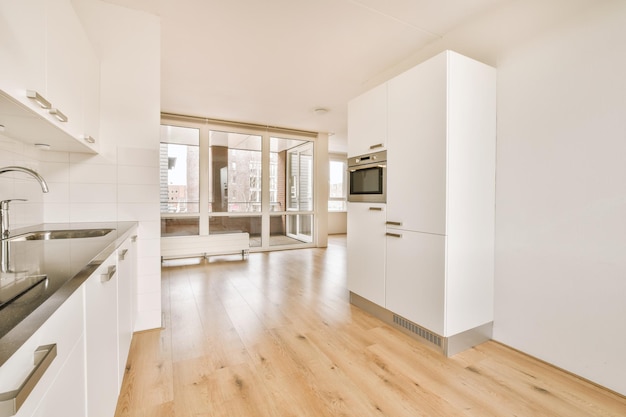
273 62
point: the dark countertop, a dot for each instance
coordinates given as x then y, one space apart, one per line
67 264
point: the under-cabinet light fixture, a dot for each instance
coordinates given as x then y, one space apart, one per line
43 103
58 114
89 139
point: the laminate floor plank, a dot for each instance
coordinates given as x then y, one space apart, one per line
276 336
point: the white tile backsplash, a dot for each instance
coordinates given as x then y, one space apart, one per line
138 175
54 171
93 193
134 193
138 157
93 174
59 193
150 229
57 212
138 212
96 212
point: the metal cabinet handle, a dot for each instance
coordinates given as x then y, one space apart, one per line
393 234
122 255
109 274
376 209
394 223
10 402
133 239
378 145
58 114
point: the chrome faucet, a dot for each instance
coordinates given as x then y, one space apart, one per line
4 214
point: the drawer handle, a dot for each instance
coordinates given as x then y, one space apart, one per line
393 235
122 255
109 274
10 402
378 145
394 223
376 209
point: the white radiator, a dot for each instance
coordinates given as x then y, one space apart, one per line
218 244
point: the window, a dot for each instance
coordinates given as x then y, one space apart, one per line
235 171
225 177
180 185
337 187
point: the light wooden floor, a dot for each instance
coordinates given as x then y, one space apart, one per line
276 336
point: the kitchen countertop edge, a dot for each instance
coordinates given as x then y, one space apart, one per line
16 337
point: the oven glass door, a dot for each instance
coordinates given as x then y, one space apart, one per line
367 181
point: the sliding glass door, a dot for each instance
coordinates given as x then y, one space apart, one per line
245 179
300 174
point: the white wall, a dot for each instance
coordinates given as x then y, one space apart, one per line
337 222
128 43
560 291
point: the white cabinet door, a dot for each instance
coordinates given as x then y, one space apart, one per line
64 329
367 122
125 306
102 339
416 277
66 396
44 48
366 251
65 67
416 157
22 47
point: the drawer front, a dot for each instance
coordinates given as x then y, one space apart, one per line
63 329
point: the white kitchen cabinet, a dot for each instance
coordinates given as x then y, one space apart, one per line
367 122
416 269
60 390
44 48
441 182
416 155
65 397
126 273
23 46
101 340
440 198
366 254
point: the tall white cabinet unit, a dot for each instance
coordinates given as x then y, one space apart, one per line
441 131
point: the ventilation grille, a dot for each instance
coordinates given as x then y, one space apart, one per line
419 331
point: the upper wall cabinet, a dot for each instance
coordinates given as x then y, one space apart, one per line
367 122
45 51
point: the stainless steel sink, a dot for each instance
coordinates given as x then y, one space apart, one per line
62 234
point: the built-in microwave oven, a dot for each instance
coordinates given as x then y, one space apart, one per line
367 175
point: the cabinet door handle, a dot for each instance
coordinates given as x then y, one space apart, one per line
10 402
43 103
133 239
122 255
58 114
376 209
378 145
109 274
398 235
394 223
